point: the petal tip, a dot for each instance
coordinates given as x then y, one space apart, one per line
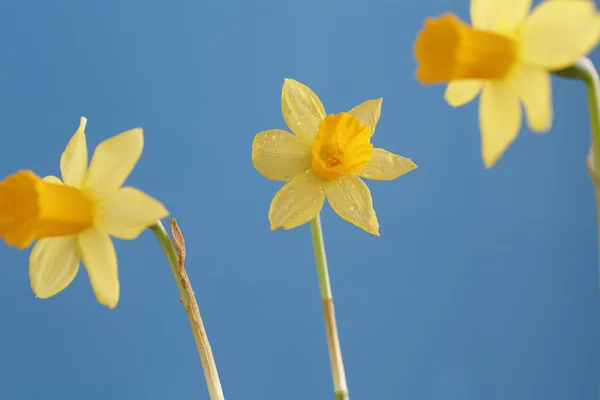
35 288
257 149
488 164
138 132
375 232
541 128
489 160
374 229
108 302
287 82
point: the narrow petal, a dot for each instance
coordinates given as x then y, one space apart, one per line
368 113
558 32
462 92
279 155
499 120
126 212
113 161
52 179
53 264
302 110
351 199
100 261
298 201
501 16
74 160
533 86
386 166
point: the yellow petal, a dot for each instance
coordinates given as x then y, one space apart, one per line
351 199
533 86
368 113
298 201
302 109
53 263
74 160
279 155
52 179
386 166
499 120
463 91
558 32
501 16
100 261
126 212
113 161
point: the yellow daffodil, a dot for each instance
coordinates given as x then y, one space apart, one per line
324 158
506 55
72 219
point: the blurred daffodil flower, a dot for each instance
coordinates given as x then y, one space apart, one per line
73 218
506 55
324 158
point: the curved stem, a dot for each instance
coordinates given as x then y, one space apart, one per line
176 263
585 71
171 255
333 342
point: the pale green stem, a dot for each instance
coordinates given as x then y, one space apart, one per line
191 309
584 70
340 387
167 247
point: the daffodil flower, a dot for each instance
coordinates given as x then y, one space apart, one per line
506 55
73 218
324 158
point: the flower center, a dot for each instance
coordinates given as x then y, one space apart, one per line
447 49
31 209
342 146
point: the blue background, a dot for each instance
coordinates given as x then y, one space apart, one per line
483 284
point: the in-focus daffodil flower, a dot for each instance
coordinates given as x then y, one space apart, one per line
72 219
506 55
324 158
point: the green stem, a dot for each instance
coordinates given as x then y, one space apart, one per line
584 70
167 247
320 257
176 263
340 387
